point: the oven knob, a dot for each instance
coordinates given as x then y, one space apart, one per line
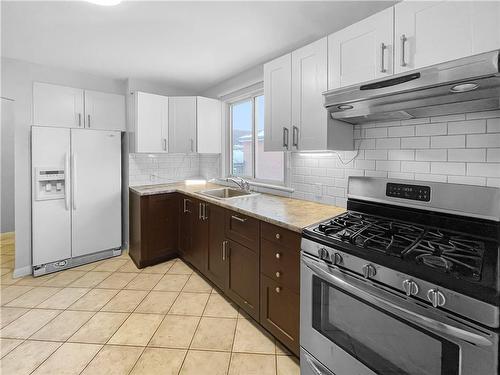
324 254
337 259
410 287
436 298
369 271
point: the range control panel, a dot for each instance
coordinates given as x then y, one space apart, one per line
405 191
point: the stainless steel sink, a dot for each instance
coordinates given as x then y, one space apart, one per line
226 193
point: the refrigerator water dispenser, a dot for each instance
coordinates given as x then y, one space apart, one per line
49 184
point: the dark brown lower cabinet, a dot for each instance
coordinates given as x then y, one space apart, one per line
198 251
218 249
186 213
243 282
153 228
279 312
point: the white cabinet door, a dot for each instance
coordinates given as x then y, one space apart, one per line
431 32
278 104
151 123
361 52
104 111
59 106
309 81
208 125
182 124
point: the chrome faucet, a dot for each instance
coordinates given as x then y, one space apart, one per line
242 183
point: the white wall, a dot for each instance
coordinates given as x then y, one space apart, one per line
7 218
17 83
244 79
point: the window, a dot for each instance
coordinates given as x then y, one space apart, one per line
248 158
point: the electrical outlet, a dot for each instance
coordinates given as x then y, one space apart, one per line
319 189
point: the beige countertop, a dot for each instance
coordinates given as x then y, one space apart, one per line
293 214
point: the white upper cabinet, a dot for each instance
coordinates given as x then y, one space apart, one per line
309 81
278 104
361 52
182 124
208 125
59 106
104 111
151 123
432 32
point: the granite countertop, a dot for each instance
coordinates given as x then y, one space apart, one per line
293 214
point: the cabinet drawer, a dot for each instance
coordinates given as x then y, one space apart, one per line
280 312
243 229
280 236
280 264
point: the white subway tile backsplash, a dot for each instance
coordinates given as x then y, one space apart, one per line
486 114
415 166
493 155
431 177
448 141
376 133
401 131
382 174
401 175
467 127
467 180
388 143
467 154
448 168
431 155
431 129
493 182
493 125
401 155
483 140
414 121
365 164
483 169
415 142
376 154
448 118
388 165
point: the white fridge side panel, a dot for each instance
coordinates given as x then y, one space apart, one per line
96 214
51 219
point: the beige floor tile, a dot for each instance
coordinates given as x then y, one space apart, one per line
35 281
4 271
252 364
64 278
63 299
113 360
137 330
144 281
99 328
180 268
189 304
125 301
172 283
214 334
281 350
117 280
220 307
129 267
287 365
213 363
197 284
90 279
250 338
94 300
62 326
8 279
157 302
87 267
175 332
110 265
34 297
7 345
27 357
159 268
155 361
68 359
28 324
12 292
9 314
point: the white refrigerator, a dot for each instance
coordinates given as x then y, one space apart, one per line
76 197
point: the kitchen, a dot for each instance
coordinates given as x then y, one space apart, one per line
316 191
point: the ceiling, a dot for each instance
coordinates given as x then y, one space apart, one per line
193 45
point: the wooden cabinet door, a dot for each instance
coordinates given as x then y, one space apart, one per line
243 281
218 249
199 250
104 111
209 125
59 106
182 124
427 33
151 123
278 104
280 312
361 52
161 226
187 213
309 81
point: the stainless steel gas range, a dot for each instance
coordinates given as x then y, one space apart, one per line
405 282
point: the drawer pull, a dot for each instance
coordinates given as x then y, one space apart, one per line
278 236
277 289
278 274
278 255
237 218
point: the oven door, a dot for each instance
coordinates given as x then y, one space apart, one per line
352 326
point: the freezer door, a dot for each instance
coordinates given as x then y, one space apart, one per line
51 215
96 190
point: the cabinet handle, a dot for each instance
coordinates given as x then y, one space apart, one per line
278 274
403 42
237 218
88 120
278 255
79 120
295 136
205 211
200 213
277 289
382 58
185 206
224 249
164 140
278 236
285 138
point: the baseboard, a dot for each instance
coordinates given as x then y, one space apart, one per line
23 271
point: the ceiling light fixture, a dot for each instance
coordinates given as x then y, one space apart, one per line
106 3
464 87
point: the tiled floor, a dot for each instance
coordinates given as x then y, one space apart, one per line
112 318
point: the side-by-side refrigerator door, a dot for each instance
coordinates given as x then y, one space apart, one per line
51 215
96 190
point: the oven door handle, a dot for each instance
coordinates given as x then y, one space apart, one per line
314 365
411 316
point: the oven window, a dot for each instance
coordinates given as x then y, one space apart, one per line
381 341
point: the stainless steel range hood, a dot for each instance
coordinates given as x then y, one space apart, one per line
469 84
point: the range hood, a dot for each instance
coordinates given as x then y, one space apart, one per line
469 84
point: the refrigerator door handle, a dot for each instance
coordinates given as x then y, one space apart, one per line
73 179
66 187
